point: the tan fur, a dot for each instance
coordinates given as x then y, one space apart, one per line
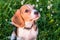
17 19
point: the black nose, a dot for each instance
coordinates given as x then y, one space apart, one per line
36 13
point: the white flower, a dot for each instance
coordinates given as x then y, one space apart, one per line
51 5
51 15
33 5
22 2
48 7
41 9
57 24
51 0
52 11
37 0
6 19
36 5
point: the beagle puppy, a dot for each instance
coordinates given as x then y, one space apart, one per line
24 20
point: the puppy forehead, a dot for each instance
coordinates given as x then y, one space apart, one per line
27 6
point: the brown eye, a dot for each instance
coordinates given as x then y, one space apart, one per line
26 10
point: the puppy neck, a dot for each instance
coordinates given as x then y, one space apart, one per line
29 24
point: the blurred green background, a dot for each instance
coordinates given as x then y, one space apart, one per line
48 24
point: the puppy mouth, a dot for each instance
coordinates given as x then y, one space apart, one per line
36 15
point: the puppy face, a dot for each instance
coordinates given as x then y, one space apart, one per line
29 13
25 13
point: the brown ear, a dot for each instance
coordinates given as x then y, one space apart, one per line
17 19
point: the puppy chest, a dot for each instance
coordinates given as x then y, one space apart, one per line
27 33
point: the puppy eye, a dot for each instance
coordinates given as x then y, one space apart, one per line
26 10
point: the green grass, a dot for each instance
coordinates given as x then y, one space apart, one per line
48 24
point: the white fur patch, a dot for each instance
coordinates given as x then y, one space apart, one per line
28 24
27 34
13 36
32 14
29 6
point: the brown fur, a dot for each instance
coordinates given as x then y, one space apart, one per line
17 18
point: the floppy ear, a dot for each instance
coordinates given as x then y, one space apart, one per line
17 19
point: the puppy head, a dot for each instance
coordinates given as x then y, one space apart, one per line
25 13
29 12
